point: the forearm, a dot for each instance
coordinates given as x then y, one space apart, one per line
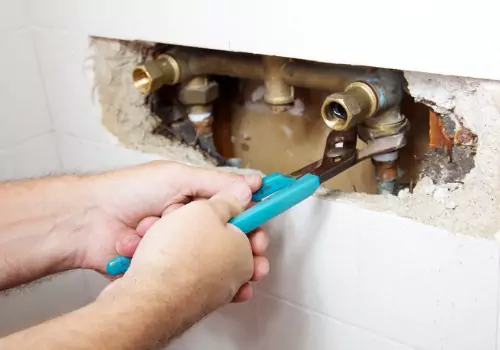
141 319
37 221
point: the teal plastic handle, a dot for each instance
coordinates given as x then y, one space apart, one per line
271 184
118 265
277 194
277 203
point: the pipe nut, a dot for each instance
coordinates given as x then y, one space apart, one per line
341 111
200 94
153 74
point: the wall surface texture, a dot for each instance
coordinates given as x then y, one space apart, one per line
341 277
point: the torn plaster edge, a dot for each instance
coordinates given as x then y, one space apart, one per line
123 111
470 208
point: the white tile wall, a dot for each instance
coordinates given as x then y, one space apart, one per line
232 327
12 14
30 305
95 283
282 325
397 278
35 157
79 155
299 29
28 149
22 101
66 68
102 18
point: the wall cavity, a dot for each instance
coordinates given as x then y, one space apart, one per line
124 112
469 110
470 206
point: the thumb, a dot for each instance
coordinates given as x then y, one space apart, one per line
231 201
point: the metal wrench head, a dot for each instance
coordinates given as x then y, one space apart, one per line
340 153
382 145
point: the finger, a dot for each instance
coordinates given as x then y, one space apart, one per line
205 183
245 293
260 268
171 208
145 224
127 245
259 241
231 201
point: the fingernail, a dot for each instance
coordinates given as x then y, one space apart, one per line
241 191
252 180
130 239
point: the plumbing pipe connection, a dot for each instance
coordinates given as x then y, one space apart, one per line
187 63
386 123
361 92
153 74
343 110
362 100
362 96
197 96
386 172
278 93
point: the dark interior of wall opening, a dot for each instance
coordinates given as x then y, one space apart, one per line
412 156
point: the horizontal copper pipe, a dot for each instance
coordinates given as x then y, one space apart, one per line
370 90
193 62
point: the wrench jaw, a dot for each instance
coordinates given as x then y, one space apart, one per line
338 156
340 153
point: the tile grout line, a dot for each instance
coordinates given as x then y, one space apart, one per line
26 140
47 105
303 308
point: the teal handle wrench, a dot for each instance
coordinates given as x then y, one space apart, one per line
280 192
277 194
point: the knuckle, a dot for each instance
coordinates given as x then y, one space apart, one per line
203 208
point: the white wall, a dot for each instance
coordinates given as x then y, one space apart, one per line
435 36
341 277
28 148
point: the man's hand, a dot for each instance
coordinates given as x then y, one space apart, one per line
188 264
60 223
196 252
126 203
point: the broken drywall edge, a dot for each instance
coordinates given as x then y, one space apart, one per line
470 209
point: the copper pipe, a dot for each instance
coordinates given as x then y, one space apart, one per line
322 76
193 62
363 92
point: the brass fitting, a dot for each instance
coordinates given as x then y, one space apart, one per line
385 123
153 74
277 93
199 91
343 110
